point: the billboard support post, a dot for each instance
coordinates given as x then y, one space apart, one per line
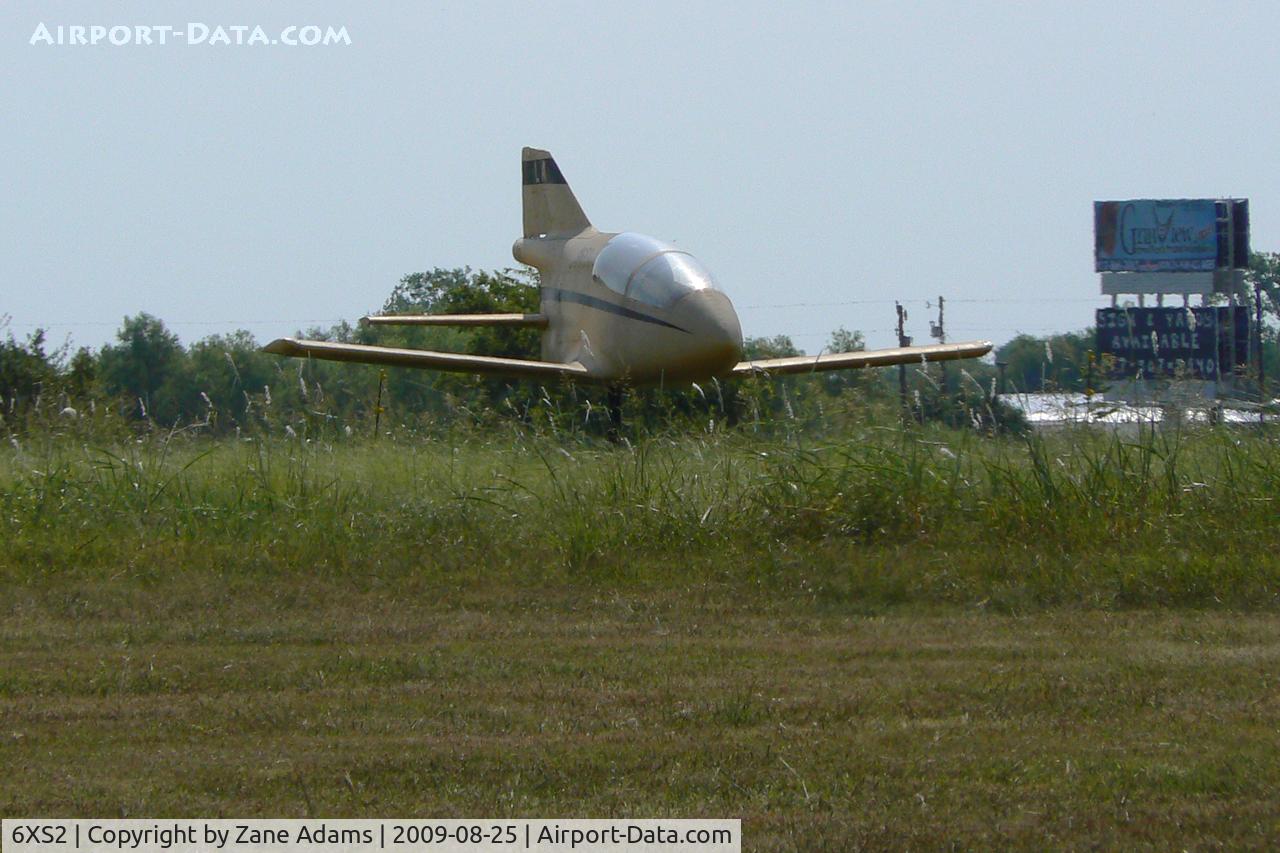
1262 362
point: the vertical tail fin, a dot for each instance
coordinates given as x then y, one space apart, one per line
549 205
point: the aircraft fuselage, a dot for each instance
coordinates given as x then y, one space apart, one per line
631 308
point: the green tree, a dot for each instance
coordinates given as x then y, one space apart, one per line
763 399
25 372
837 382
147 369
228 372
1264 272
463 291
82 375
1054 363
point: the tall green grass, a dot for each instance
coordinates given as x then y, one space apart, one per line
874 517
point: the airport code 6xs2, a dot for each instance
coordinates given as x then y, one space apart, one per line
404 836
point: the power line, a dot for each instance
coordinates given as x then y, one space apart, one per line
331 320
64 323
1021 299
1006 329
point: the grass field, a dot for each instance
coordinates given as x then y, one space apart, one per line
885 639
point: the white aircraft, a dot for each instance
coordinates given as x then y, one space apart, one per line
617 308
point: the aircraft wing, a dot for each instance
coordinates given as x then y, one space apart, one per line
539 321
426 359
862 358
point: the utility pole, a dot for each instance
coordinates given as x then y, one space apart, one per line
939 331
903 341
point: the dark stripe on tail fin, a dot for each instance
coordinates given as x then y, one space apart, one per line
542 172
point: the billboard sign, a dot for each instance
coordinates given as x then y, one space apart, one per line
1164 343
1149 235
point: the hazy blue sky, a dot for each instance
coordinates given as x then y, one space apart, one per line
835 156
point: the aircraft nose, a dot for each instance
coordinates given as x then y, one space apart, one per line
715 333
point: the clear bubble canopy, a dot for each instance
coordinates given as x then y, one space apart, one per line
648 270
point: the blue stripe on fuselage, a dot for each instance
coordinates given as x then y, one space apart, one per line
604 305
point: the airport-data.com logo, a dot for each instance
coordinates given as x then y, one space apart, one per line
192 34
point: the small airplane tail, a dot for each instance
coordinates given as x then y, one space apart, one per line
549 205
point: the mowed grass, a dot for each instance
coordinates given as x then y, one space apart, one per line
823 731
885 639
